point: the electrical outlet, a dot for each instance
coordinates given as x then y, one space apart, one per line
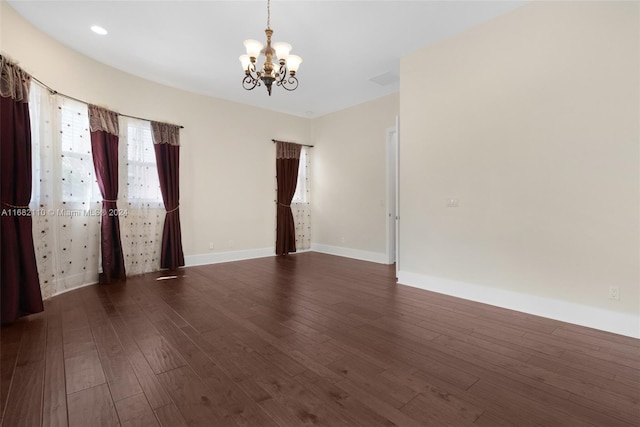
452 203
614 293
210 246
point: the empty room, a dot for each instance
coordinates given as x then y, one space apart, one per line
339 213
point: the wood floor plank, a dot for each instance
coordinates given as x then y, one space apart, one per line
77 341
396 394
54 411
233 400
33 344
24 405
378 404
162 357
73 314
567 371
120 377
135 411
154 391
92 407
348 406
447 401
520 402
10 337
192 397
106 341
307 339
83 371
170 416
24 401
305 405
137 360
515 407
431 408
629 348
490 419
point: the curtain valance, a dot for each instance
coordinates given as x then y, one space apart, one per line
14 82
101 119
287 150
165 133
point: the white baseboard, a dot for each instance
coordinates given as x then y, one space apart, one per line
218 257
626 324
380 258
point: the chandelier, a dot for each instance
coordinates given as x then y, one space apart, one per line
287 64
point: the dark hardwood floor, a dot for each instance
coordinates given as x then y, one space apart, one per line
305 339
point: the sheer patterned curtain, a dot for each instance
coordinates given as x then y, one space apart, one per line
66 199
141 227
301 203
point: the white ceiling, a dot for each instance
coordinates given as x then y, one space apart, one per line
194 45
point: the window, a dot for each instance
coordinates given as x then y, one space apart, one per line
65 199
79 184
141 184
141 228
301 194
300 205
63 173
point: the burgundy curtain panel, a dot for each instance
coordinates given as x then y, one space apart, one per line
166 142
104 149
19 281
287 161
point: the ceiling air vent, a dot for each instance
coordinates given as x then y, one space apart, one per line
385 79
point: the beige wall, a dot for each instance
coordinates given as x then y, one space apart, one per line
349 178
227 164
532 121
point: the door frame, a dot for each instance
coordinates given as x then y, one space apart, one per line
392 216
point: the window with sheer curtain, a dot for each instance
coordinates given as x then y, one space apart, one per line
65 199
141 228
301 202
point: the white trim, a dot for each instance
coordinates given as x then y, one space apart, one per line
391 194
218 257
627 324
378 257
397 223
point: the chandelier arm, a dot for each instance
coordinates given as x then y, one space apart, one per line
249 82
292 82
251 78
282 74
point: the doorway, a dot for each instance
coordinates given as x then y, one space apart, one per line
392 195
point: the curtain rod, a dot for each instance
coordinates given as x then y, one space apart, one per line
304 145
55 92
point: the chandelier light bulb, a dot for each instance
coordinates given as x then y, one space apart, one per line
293 63
282 50
245 60
253 47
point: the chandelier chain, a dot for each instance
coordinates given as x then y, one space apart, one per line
268 13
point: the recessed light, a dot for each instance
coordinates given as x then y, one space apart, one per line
99 30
